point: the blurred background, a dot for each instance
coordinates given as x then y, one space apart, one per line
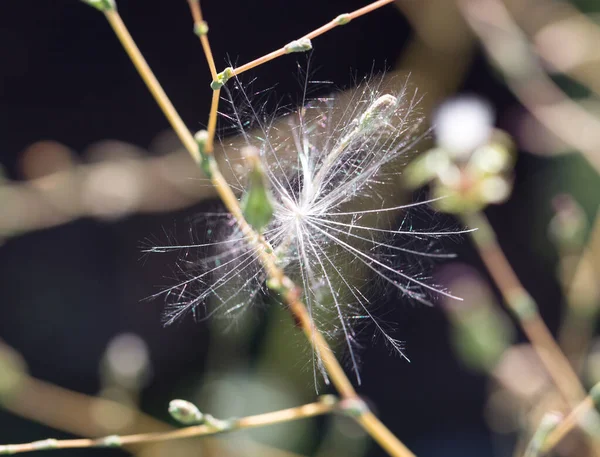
91 174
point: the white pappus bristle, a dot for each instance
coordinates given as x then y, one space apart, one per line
332 168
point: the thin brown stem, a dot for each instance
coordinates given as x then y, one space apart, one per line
569 423
525 310
198 25
259 420
315 33
152 83
201 29
384 437
212 121
333 367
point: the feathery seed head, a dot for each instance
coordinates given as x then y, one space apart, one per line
323 185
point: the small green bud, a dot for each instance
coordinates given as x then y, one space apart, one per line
256 202
328 400
111 441
524 306
201 138
201 28
343 19
8 449
44 445
300 45
595 394
381 107
185 413
222 78
102 5
275 285
353 407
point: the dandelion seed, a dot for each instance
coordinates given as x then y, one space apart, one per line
330 168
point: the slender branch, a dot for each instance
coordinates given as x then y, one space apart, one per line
259 420
212 121
525 310
583 301
573 420
152 83
342 19
63 409
382 435
201 29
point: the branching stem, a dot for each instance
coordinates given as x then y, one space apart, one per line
340 20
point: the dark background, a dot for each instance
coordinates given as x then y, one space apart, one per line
66 291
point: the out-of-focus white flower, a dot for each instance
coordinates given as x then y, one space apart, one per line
471 165
463 124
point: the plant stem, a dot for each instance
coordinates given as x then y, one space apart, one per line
583 302
259 420
212 117
524 309
315 33
575 418
198 22
567 424
152 83
383 436
212 121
